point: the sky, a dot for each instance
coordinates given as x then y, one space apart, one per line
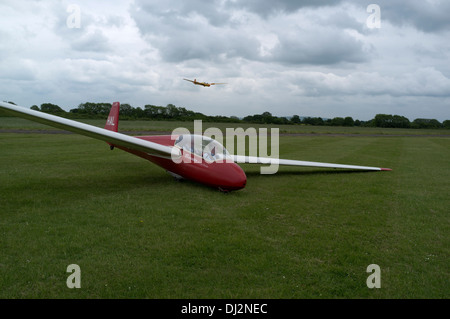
318 58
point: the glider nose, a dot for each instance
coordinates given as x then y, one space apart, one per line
241 179
234 178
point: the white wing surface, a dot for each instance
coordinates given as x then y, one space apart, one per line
267 160
91 131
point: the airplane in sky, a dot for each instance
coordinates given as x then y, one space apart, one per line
202 83
207 162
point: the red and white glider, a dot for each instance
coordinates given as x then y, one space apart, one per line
216 169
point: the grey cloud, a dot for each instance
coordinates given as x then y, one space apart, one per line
341 19
324 47
92 42
116 21
87 37
207 44
423 82
265 8
321 54
218 12
210 10
427 16
17 69
180 35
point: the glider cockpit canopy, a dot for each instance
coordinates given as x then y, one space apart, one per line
207 148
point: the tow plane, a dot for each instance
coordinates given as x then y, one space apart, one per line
205 84
218 169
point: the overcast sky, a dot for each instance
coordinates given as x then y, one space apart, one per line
312 58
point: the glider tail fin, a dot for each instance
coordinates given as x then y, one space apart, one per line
112 123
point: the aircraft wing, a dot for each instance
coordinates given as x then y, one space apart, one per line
189 80
267 160
91 131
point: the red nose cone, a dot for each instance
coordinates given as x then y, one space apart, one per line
233 178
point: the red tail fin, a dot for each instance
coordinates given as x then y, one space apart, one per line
112 123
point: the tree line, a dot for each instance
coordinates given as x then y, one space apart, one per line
172 112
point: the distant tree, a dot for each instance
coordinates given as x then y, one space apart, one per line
383 120
369 123
172 111
183 112
400 122
51 108
348 121
94 108
337 121
257 118
426 123
139 113
280 120
126 110
296 119
267 118
319 121
307 120
248 118
154 112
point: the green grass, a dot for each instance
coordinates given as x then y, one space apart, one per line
302 233
12 123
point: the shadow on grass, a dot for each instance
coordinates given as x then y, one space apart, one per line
110 183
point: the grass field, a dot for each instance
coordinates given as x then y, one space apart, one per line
8 123
302 233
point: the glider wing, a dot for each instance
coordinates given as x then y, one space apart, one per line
91 131
267 160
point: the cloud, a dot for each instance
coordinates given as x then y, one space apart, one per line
18 69
182 34
95 41
420 82
321 46
266 8
316 58
425 15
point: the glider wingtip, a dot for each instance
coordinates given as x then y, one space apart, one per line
386 169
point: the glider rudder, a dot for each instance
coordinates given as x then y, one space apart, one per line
112 122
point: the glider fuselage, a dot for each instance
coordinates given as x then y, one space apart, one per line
222 175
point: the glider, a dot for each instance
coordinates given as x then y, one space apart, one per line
210 164
202 83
